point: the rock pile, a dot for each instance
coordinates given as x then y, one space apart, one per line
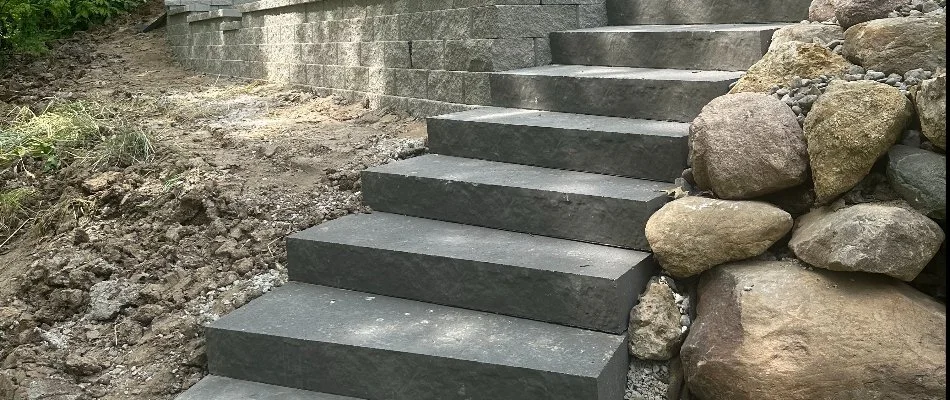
816 192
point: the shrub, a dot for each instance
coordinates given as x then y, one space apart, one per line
26 25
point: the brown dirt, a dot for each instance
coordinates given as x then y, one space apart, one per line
110 302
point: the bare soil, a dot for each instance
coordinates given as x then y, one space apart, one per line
109 303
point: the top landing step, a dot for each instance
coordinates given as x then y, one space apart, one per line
640 12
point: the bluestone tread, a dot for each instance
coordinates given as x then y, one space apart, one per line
214 387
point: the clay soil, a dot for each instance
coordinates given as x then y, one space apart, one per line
109 301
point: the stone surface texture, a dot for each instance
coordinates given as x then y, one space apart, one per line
853 12
931 102
778 331
807 33
870 237
785 61
849 127
746 145
920 176
692 234
655 331
898 45
821 10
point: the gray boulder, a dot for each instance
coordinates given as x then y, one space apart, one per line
780 331
853 12
655 332
808 33
746 145
898 45
920 177
871 237
931 102
693 234
821 10
849 127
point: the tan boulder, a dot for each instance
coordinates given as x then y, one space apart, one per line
898 45
807 33
693 234
871 237
654 330
778 331
848 128
787 60
821 10
931 102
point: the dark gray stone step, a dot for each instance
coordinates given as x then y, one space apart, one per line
637 148
535 277
214 387
730 47
660 94
375 347
640 12
564 204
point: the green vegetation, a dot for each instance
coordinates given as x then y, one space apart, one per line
26 25
13 207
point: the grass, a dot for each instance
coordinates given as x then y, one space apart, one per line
14 207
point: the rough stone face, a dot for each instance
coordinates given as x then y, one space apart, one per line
821 10
107 298
693 234
931 102
853 12
747 144
807 33
870 237
787 60
654 330
920 177
898 45
849 127
778 331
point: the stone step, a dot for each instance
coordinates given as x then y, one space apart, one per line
535 277
214 387
375 347
660 94
564 204
730 47
654 150
643 12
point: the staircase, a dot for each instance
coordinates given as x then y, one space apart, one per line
503 265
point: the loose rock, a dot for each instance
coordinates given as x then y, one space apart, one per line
920 177
821 10
107 298
802 334
746 145
693 234
931 102
898 45
784 61
808 33
848 129
654 330
870 237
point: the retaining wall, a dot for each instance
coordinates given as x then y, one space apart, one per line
424 56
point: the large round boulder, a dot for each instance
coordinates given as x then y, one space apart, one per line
746 145
693 234
780 331
787 60
807 33
655 332
821 10
931 102
920 177
898 45
853 12
848 128
870 237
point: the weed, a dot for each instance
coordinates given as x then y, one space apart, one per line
14 207
122 149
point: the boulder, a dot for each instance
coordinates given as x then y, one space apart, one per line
745 145
693 234
776 330
807 33
920 177
821 10
931 102
783 62
655 332
879 238
853 12
898 45
848 128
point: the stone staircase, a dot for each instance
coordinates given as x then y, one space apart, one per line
503 265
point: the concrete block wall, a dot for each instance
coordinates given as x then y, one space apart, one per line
424 56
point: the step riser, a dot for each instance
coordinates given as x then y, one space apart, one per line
722 50
660 158
592 219
574 300
669 100
642 12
